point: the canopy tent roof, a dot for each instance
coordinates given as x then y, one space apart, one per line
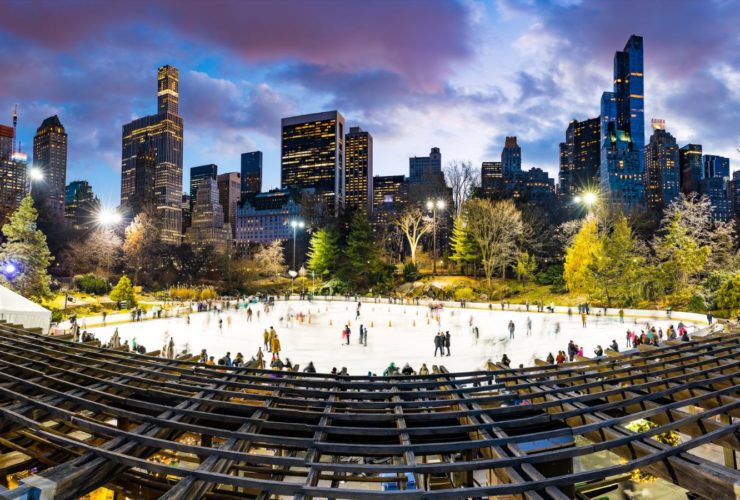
18 310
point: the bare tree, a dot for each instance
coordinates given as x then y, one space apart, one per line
270 259
496 227
462 179
414 224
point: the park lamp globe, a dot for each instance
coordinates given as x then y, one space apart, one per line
107 217
590 198
35 174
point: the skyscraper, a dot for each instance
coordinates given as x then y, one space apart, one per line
426 179
511 162
715 186
359 170
622 130
662 168
229 192
145 167
12 173
492 179
579 157
390 196
312 156
199 173
208 226
251 173
50 156
79 204
164 132
692 168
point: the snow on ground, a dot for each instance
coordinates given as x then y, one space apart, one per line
398 333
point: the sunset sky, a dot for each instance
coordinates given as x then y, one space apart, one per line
458 75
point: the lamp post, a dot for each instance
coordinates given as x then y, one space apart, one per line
433 206
295 224
292 274
588 199
34 174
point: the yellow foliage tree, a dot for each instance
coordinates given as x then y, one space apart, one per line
580 256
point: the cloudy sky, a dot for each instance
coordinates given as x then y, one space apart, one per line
457 74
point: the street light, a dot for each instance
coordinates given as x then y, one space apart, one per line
434 205
295 224
292 274
34 174
587 199
108 217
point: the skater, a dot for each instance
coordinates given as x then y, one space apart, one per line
511 329
529 324
364 337
266 339
439 344
621 315
362 333
583 319
275 344
447 341
572 350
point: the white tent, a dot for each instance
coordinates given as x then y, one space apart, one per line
18 310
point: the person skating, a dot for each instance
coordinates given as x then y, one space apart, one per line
512 327
505 361
439 344
447 341
621 315
266 339
572 350
275 344
529 326
583 319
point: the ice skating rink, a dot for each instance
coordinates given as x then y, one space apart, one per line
398 333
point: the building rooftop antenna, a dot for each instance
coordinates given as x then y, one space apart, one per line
15 126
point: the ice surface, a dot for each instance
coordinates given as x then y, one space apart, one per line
398 333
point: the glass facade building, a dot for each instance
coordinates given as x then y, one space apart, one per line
12 173
622 162
359 170
312 156
511 161
79 204
251 173
390 196
692 168
229 193
164 132
207 227
580 156
198 174
50 157
662 168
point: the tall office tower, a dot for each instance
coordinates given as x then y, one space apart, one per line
145 168
312 156
251 173
535 186
197 174
733 191
662 168
79 204
579 157
715 186
622 163
50 156
229 192
692 168
187 212
511 161
164 132
426 179
390 196
492 179
208 226
12 173
359 170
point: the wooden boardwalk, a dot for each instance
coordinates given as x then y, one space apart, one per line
83 417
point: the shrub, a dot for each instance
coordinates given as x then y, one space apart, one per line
208 293
464 292
728 296
89 283
410 272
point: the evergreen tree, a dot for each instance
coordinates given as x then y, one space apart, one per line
465 252
25 255
324 252
580 256
728 296
123 291
615 265
362 264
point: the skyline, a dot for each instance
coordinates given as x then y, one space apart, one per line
455 75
